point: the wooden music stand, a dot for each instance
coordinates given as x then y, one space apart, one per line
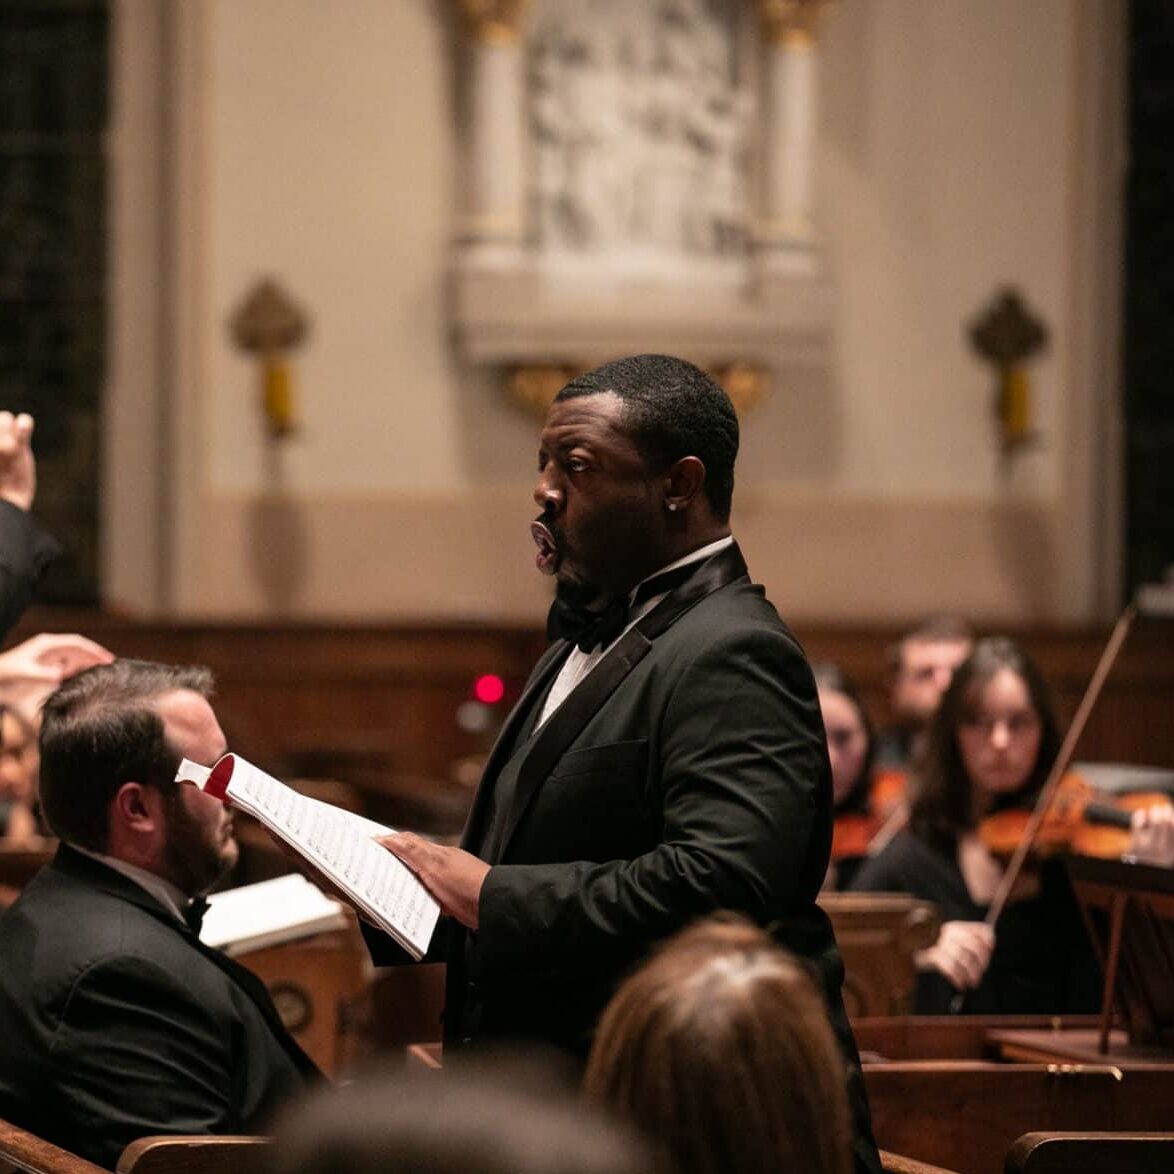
1129 912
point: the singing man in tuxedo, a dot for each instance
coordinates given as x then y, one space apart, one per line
115 1020
667 757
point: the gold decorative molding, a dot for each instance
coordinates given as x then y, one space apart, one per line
791 23
744 383
533 386
495 22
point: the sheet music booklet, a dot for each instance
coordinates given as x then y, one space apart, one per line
338 843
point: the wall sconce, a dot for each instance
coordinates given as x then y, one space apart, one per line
269 324
1007 334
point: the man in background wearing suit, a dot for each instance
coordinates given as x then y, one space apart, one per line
115 1021
667 757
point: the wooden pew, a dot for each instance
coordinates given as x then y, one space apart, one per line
320 986
406 1006
193 1154
879 935
942 1090
1091 1153
899 1164
25 1152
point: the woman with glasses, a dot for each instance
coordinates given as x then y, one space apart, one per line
851 750
989 747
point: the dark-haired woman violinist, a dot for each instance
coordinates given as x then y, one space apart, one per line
990 747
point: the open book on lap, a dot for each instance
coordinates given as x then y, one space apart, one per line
338 843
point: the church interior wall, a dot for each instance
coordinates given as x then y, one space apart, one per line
322 147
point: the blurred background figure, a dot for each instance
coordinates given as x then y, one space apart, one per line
26 549
920 666
851 748
482 1116
719 1050
989 748
19 760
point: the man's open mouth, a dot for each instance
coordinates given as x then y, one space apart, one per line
548 557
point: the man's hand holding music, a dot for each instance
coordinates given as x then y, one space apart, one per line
452 876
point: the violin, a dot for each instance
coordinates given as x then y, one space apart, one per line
1080 819
889 787
852 833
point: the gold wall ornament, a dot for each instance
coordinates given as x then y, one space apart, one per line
744 383
534 386
269 324
495 22
791 22
1007 334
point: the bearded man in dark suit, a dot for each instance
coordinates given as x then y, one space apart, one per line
115 1020
667 758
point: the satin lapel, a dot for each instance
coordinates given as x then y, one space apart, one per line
506 742
568 721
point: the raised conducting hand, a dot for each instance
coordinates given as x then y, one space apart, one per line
961 954
18 469
33 669
452 876
1152 837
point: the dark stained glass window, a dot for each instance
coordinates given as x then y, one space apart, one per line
53 113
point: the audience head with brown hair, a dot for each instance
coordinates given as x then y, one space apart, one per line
719 1049
486 1115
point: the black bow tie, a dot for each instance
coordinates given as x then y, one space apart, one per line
193 914
594 629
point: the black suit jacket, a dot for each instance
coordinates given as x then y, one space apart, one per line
116 1023
687 773
25 551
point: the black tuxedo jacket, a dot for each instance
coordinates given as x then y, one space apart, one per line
115 1022
687 773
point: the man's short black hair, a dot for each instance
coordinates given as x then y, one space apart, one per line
100 729
672 409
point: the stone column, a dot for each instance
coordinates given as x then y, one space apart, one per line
789 77
494 212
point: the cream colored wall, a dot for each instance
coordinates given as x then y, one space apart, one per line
318 145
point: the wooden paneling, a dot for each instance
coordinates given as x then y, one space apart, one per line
384 699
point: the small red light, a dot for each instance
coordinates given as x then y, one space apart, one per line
489 689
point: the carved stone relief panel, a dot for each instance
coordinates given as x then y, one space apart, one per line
641 179
640 120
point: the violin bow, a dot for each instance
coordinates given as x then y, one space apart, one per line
1047 794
